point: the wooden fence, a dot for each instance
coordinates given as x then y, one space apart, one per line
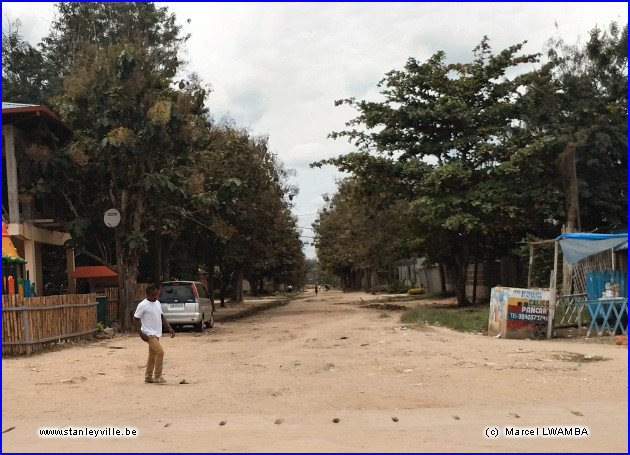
112 303
30 324
139 293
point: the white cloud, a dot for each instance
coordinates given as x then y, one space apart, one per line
277 68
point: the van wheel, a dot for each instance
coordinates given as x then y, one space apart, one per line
210 322
199 327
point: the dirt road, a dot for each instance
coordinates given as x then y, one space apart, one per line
322 374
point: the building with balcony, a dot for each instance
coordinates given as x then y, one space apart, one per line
30 132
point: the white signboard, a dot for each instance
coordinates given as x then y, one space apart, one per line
112 218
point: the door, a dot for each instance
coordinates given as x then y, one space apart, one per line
204 301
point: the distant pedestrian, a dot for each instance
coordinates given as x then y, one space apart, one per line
316 289
149 314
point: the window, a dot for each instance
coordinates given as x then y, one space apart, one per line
176 294
201 290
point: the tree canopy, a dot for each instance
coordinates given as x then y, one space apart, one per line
145 143
478 150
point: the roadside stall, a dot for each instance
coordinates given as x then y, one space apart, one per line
607 290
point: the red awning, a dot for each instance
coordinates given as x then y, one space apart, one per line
93 271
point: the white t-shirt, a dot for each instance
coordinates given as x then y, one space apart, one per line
150 315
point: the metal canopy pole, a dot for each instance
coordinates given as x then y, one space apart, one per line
552 296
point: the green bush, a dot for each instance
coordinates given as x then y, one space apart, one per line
415 291
397 288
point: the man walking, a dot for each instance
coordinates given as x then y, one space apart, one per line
149 315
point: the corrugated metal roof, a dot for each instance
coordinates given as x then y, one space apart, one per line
16 105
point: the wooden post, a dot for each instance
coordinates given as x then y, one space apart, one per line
474 296
70 266
567 270
531 263
10 162
552 289
25 328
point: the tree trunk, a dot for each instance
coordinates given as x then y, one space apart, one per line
166 264
223 292
254 286
442 277
157 261
374 279
211 284
567 166
130 280
121 269
460 282
365 281
223 284
238 288
126 278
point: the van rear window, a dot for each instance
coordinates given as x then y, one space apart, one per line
176 294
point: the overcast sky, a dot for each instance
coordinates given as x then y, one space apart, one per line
277 68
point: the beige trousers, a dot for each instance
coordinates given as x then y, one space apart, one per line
156 357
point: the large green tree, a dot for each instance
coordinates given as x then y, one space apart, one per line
485 159
576 107
360 231
335 254
454 124
198 197
102 24
22 78
134 128
241 210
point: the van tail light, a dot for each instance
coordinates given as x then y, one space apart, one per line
160 289
195 292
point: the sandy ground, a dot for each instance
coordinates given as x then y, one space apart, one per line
322 374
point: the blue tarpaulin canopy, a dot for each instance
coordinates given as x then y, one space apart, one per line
576 245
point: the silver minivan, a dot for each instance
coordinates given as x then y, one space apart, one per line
186 302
